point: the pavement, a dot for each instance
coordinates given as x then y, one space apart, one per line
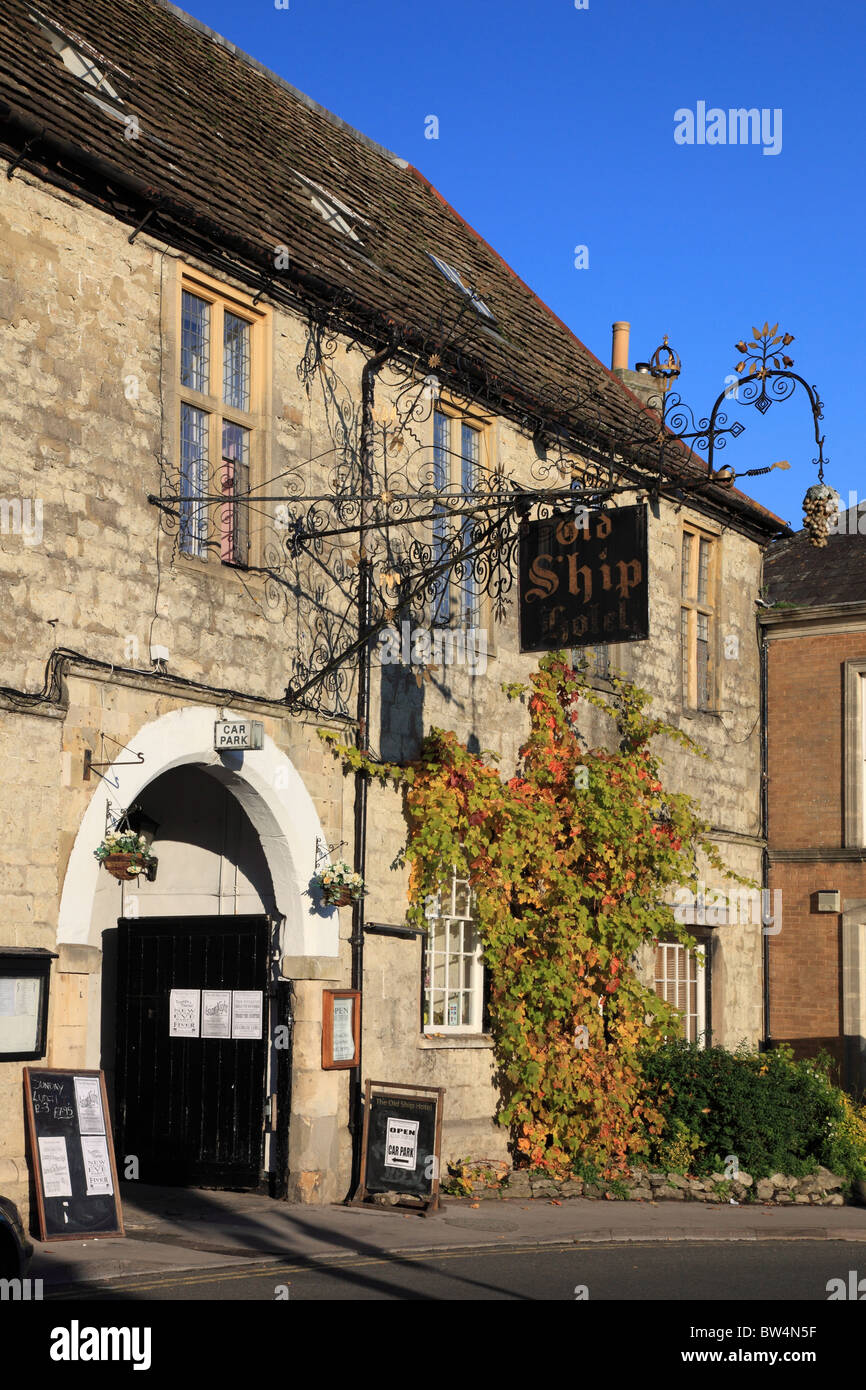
181 1229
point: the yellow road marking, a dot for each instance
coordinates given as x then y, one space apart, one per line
257 1272
359 1262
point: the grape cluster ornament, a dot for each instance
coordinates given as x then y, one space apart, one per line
820 512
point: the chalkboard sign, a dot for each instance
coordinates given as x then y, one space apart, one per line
72 1154
402 1141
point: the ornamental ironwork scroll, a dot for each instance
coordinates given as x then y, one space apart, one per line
392 489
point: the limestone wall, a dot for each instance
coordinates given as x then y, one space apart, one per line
88 404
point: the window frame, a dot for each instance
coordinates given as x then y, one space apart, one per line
701 1014
854 727
693 606
29 963
482 426
594 663
222 298
476 989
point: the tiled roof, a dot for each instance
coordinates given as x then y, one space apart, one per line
218 147
808 575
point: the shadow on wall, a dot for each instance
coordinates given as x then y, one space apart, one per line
402 714
810 1047
401 724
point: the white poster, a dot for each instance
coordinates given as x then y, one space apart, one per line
344 1042
56 1181
247 1012
89 1101
20 1001
183 1013
7 998
401 1144
97 1165
216 1013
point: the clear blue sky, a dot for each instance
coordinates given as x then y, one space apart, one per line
556 129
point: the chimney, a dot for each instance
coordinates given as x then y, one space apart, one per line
639 380
619 351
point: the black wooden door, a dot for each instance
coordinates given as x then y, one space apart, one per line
191 1109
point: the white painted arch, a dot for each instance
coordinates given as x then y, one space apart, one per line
271 792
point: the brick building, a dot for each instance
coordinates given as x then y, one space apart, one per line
202 276
814 636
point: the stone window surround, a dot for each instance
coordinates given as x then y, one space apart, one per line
702 531
854 727
854 991
183 275
485 424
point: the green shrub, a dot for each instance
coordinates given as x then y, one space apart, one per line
677 1147
775 1114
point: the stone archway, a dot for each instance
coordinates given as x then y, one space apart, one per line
271 793
275 801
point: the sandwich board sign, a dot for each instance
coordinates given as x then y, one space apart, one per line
401 1143
73 1154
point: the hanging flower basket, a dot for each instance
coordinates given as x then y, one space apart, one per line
123 866
339 897
124 854
340 885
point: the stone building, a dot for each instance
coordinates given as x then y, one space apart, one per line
220 303
815 640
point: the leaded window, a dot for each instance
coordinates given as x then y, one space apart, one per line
220 380
456 463
697 620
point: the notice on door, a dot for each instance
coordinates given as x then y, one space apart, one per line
216 1013
401 1144
183 1013
247 1012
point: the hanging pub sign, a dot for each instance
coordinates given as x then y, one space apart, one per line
584 580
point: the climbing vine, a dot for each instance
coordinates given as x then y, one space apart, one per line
570 860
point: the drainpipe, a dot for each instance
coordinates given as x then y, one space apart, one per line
765 834
365 587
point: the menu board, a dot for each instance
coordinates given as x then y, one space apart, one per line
401 1142
341 1028
73 1154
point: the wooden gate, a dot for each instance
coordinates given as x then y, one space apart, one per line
190 1109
